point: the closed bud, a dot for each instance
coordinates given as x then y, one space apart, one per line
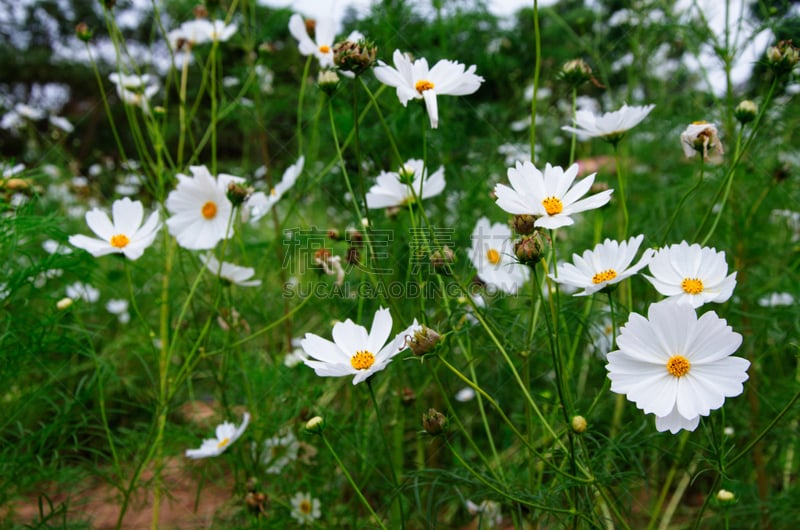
725 496
315 425
529 249
64 303
579 424
238 193
407 396
575 72
328 81
355 57
334 234
746 111
423 341
434 422
83 32
523 224
200 11
442 259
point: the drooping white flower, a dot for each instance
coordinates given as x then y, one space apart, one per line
611 125
321 46
416 81
125 235
676 365
354 351
259 203
702 137
226 434
395 188
550 196
200 208
691 274
229 272
607 264
492 254
279 451
305 510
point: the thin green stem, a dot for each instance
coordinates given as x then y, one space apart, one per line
686 195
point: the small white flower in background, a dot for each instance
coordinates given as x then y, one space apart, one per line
492 254
394 188
602 337
296 356
675 365
28 112
792 220
189 34
125 235
8 171
83 291
353 350
54 247
488 512
416 81
136 90
691 274
200 208
4 291
119 307
230 272
259 203
61 123
610 126
465 394
279 451
321 46
305 510
220 31
701 137
607 264
776 300
226 434
550 196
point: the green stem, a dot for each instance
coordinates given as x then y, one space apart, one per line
299 129
537 67
683 199
388 453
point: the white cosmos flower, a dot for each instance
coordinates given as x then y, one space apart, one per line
394 188
83 291
675 365
611 125
279 451
353 350
321 46
607 264
230 272
691 274
776 300
702 137
220 31
119 307
200 208
136 90
226 434
125 235
416 81
492 254
305 510
259 203
550 196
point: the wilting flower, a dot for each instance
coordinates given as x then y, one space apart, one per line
353 350
691 274
675 365
226 434
279 451
135 90
230 272
701 137
259 203
550 196
492 254
610 126
607 264
200 208
395 188
416 81
125 235
305 510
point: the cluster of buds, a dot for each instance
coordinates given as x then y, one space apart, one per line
783 57
355 57
746 111
701 137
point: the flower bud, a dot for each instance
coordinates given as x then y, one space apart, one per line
64 303
315 425
725 496
238 193
434 422
407 396
529 249
424 340
523 224
783 57
83 32
579 424
328 81
354 57
746 111
442 259
200 11
575 72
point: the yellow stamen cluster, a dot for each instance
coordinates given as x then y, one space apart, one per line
305 506
678 365
324 49
493 256
119 241
604 276
422 85
222 443
692 286
209 210
553 205
362 360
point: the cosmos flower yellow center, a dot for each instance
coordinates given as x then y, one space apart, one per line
119 241
324 48
423 85
305 506
604 276
493 256
209 210
553 205
222 443
273 192
692 286
678 365
362 360
699 122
